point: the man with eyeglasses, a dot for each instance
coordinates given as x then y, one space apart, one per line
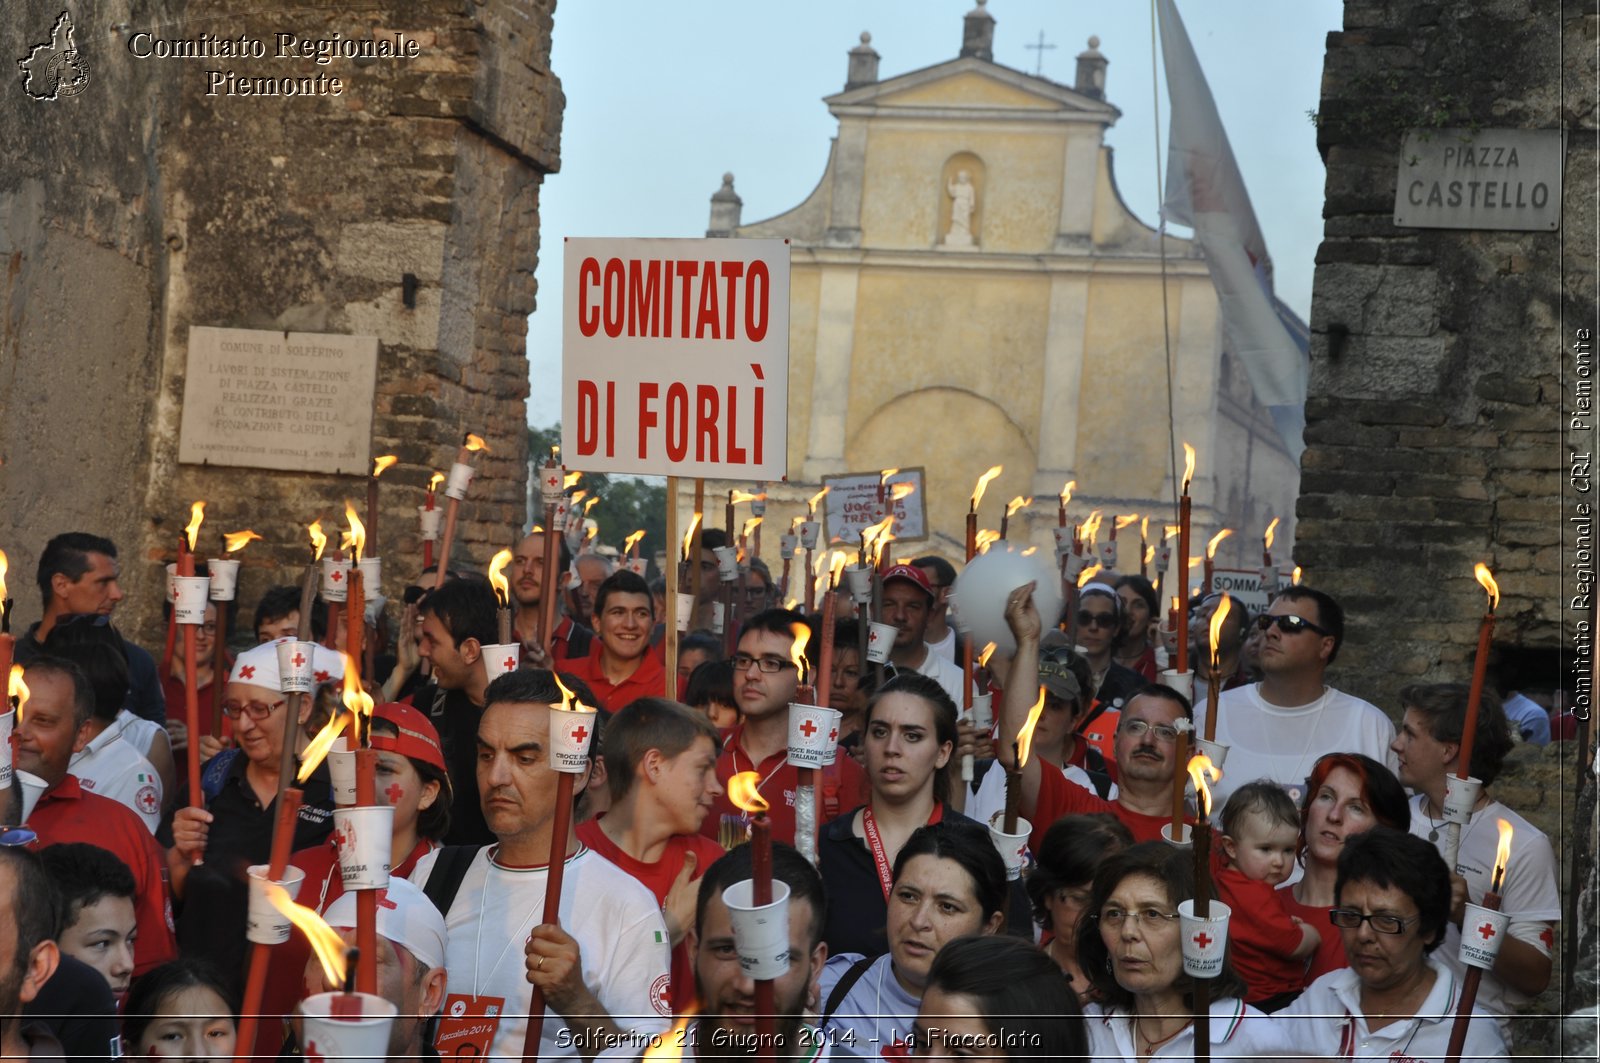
1145 746
1277 728
764 683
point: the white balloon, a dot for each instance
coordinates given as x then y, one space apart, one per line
980 593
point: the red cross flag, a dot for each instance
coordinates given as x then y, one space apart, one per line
675 357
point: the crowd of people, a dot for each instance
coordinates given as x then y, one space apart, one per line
907 935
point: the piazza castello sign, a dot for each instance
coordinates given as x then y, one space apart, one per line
1506 179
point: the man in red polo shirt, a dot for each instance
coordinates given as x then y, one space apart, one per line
52 728
620 666
764 682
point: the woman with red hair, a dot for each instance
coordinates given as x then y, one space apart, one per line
1347 793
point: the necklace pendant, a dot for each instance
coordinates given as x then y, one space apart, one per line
1433 835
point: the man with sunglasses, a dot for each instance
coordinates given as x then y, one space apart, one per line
1277 728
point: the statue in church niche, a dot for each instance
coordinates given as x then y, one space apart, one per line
963 201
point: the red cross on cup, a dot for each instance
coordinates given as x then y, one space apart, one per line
337 575
1203 940
872 636
510 664
551 481
808 728
1487 930
581 734
834 733
298 659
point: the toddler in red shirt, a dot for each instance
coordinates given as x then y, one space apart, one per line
1268 946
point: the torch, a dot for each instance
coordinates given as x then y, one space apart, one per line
1214 677
1269 574
378 465
805 791
553 485
1211 555
1461 790
743 792
8 644
1485 928
571 732
356 602
687 566
430 518
455 489
808 538
343 1024
1212 944
1012 507
190 610
224 588
630 548
506 654
1183 561
16 701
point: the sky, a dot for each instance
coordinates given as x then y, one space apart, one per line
663 98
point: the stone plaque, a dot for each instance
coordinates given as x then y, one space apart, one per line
1488 179
298 401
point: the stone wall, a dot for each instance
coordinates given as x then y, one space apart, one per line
143 206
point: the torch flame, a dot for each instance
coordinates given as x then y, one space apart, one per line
497 577
1066 491
1296 576
358 530
1169 532
900 491
380 464
1088 574
197 516
435 480
631 541
1091 527
988 651
325 940
986 537
1017 503
983 483
736 497
883 477
1123 522
797 652
1266 540
668 1047
5 565
577 496
1211 547
323 741
1486 581
319 542
589 504
1217 619
1149 554
750 526
1188 466
688 536
812 504
836 566
569 700
570 480
1502 856
1200 766
17 688
1025 736
743 793
794 525
232 542
475 442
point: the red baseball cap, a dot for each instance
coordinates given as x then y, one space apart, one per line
910 574
417 738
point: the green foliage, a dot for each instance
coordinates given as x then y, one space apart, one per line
626 503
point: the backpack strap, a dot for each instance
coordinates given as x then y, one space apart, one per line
216 774
842 987
449 868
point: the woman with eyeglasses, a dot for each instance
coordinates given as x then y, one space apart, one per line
948 882
1130 948
239 787
1347 794
908 739
1394 1001
1099 624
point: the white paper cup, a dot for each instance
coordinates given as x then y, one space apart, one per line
33 788
500 658
638 565
552 484
1182 682
859 580
1063 542
190 606
718 619
761 935
727 563
1216 751
1269 579
362 1040
364 837
558 520
432 520
172 582
786 545
224 578
758 505
1482 932
1185 835
983 711
1075 567
1108 554
685 611
1013 848
460 478
880 641
810 530
335 580
296 667
342 772
371 575
264 924
813 735
1204 940
8 723
570 735
1163 557
1459 797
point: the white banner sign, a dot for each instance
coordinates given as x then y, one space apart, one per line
1242 585
853 505
675 357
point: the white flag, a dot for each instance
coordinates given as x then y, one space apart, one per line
1206 192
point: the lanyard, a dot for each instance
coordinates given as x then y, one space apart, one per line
880 859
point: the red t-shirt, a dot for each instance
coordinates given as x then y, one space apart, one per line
649 680
172 689
69 813
286 963
1261 935
840 786
658 878
1059 797
1330 955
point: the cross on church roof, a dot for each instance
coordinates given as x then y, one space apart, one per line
1041 48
